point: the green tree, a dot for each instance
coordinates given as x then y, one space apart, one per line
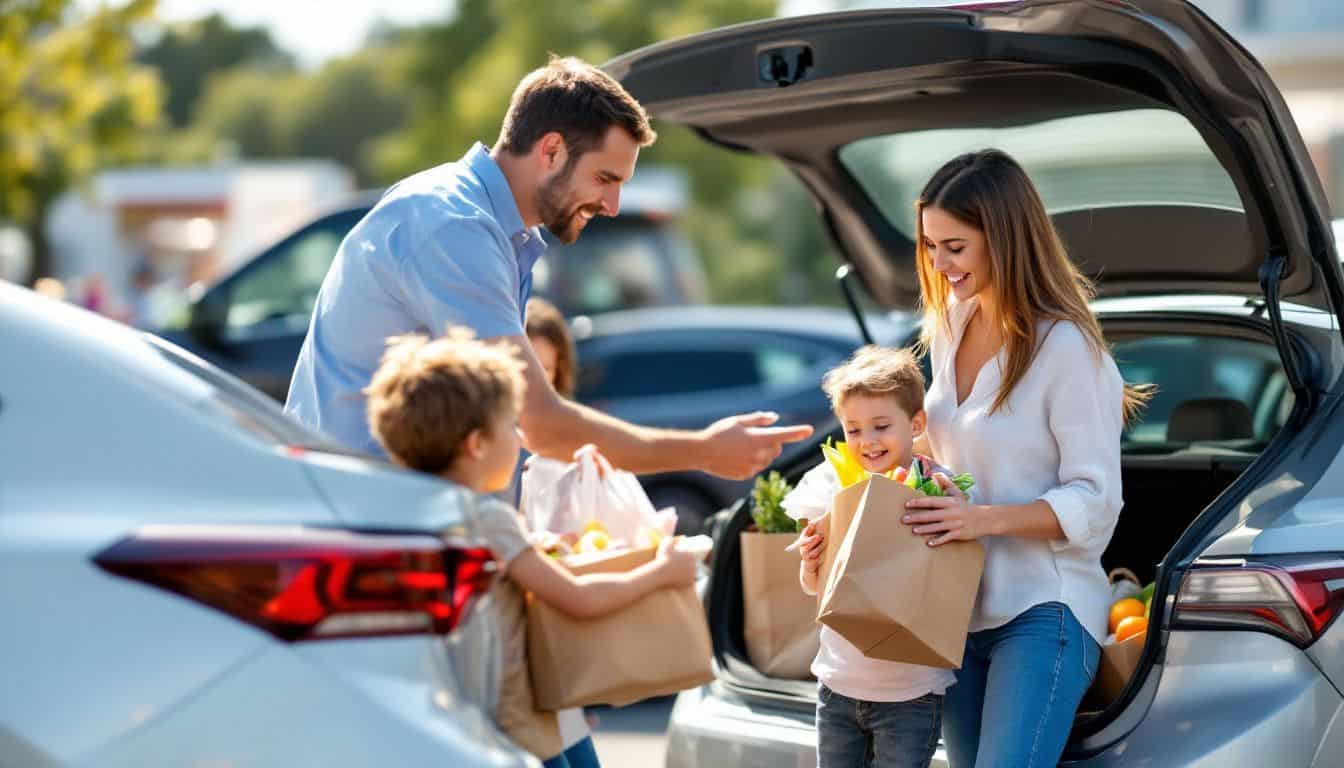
339 112
72 100
188 54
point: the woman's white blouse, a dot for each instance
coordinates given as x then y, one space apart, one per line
1057 439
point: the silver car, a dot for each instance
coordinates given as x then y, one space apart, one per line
192 578
1175 175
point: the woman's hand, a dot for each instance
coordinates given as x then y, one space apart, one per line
947 518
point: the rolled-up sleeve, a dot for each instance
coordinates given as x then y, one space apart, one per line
1086 416
464 273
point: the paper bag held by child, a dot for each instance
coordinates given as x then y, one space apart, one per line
888 592
655 646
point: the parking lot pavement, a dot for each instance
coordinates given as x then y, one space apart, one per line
633 736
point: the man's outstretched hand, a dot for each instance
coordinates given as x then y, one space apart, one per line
739 447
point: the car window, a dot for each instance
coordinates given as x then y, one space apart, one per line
617 264
244 407
701 362
285 281
781 368
653 373
1140 156
1187 368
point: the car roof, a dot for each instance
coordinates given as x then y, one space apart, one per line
1219 305
830 322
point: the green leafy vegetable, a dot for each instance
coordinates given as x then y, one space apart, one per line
767 508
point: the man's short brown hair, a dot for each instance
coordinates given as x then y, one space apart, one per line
876 371
575 99
428 396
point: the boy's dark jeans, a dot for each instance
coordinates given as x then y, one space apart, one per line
876 734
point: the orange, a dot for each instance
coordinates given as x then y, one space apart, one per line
1131 626
1123 609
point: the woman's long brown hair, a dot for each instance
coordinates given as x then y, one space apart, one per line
1031 276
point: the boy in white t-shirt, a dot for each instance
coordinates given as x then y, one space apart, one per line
449 407
869 712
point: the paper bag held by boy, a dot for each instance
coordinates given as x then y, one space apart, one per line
885 590
655 646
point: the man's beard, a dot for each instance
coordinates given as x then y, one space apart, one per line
555 205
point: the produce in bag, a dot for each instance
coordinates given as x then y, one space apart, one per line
589 505
779 624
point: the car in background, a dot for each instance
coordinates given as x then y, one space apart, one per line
685 368
192 578
252 322
1174 174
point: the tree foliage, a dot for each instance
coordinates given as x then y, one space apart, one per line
188 54
72 99
339 112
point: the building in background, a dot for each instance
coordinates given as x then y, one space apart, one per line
1301 44
133 229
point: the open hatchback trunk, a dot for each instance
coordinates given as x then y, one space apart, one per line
1167 160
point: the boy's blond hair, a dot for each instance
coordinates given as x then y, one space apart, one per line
876 371
428 396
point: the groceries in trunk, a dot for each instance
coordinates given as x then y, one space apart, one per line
1123 647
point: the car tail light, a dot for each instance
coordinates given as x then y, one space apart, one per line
308 583
1295 598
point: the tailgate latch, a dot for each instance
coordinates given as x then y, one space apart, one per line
784 65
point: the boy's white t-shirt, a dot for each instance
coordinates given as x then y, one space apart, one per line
839 665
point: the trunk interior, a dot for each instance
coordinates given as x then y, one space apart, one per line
1212 416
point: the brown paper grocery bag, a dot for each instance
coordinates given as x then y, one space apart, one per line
887 591
779 620
1118 662
655 646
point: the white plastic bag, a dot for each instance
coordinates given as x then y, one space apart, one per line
562 498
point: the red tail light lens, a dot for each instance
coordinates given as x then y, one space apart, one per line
1295 598
307 583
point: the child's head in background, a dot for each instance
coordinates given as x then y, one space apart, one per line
552 344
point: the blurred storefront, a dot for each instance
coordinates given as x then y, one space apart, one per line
135 228
1301 44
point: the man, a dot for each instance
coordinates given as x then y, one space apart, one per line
455 245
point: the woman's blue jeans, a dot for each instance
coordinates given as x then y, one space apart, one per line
1018 689
581 755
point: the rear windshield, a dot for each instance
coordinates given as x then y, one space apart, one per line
1141 156
250 410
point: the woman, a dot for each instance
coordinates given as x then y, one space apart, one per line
1026 397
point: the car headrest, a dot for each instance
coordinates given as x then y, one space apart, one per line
1210 418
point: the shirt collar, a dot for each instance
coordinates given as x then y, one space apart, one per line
501 198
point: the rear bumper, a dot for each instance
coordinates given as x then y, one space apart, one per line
1232 698
1224 698
712 727
331 704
